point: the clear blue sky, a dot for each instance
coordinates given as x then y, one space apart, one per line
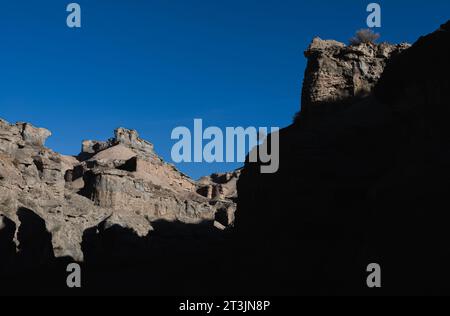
153 65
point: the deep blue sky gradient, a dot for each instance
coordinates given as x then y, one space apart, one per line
153 65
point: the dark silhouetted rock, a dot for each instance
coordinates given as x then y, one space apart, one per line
357 184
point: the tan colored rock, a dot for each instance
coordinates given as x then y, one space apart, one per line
338 73
121 181
118 152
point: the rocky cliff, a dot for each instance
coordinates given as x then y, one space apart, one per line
121 181
362 177
337 73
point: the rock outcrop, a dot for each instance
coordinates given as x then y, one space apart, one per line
358 184
363 178
339 73
121 181
221 188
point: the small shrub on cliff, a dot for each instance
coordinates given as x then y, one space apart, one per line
364 36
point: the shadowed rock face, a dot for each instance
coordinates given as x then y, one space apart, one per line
121 181
363 179
7 245
35 242
359 184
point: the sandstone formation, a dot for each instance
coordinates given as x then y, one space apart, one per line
121 181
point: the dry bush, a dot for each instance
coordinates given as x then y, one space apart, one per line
364 36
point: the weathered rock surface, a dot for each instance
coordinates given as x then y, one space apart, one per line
358 184
336 72
365 183
121 182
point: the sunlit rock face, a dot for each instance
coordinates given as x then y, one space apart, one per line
121 181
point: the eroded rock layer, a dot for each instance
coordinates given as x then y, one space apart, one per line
340 73
121 182
358 184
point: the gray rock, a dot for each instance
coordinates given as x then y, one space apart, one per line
337 72
121 181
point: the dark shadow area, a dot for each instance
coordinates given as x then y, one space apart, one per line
174 259
35 242
75 173
222 217
89 179
7 245
33 270
103 244
130 165
39 164
323 110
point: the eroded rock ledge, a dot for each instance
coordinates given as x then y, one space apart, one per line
362 180
337 72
